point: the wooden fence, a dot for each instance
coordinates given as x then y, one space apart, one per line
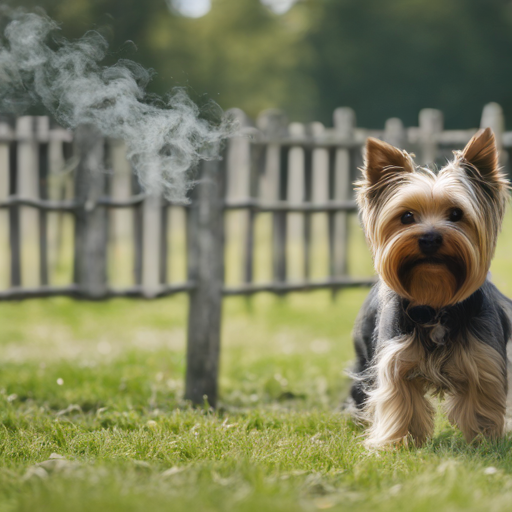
51 178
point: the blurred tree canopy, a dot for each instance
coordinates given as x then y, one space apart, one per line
384 58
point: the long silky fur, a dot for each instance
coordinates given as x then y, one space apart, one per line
469 370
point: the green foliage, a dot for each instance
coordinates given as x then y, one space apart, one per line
393 58
240 54
384 59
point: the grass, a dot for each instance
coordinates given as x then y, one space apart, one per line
92 416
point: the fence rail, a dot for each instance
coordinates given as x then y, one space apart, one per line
61 190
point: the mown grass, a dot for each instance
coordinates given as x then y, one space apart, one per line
92 416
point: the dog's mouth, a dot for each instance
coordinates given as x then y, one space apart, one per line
429 261
454 266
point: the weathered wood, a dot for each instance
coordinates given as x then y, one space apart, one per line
28 187
334 284
238 162
344 122
164 244
430 125
295 194
394 133
273 124
43 216
59 180
151 243
204 321
91 226
279 226
137 234
493 117
308 177
14 218
5 130
319 196
285 206
120 222
256 169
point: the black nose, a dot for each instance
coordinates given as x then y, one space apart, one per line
430 242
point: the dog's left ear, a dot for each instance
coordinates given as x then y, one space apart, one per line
482 153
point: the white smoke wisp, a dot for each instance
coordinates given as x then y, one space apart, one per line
164 140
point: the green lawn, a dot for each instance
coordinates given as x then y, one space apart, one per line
92 416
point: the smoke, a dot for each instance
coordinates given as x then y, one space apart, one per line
165 138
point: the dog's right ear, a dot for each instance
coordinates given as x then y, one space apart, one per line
382 158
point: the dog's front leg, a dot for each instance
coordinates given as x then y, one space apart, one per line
397 405
477 404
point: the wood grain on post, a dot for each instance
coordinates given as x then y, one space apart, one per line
206 239
27 187
430 125
344 125
91 226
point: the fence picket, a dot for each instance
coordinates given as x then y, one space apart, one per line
295 194
27 187
344 123
492 117
319 195
273 124
6 134
430 125
256 169
151 244
43 136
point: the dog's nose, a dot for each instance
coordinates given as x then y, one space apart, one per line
430 242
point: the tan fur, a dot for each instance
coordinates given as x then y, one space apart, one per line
468 372
478 401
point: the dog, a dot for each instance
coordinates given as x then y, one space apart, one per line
434 324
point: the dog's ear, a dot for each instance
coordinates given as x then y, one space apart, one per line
382 158
481 152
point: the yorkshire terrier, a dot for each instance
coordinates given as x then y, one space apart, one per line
434 324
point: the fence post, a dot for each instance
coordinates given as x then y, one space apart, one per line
431 123
206 239
91 221
492 117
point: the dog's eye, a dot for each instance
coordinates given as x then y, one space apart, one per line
455 215
407 218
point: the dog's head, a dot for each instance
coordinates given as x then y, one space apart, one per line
433 236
